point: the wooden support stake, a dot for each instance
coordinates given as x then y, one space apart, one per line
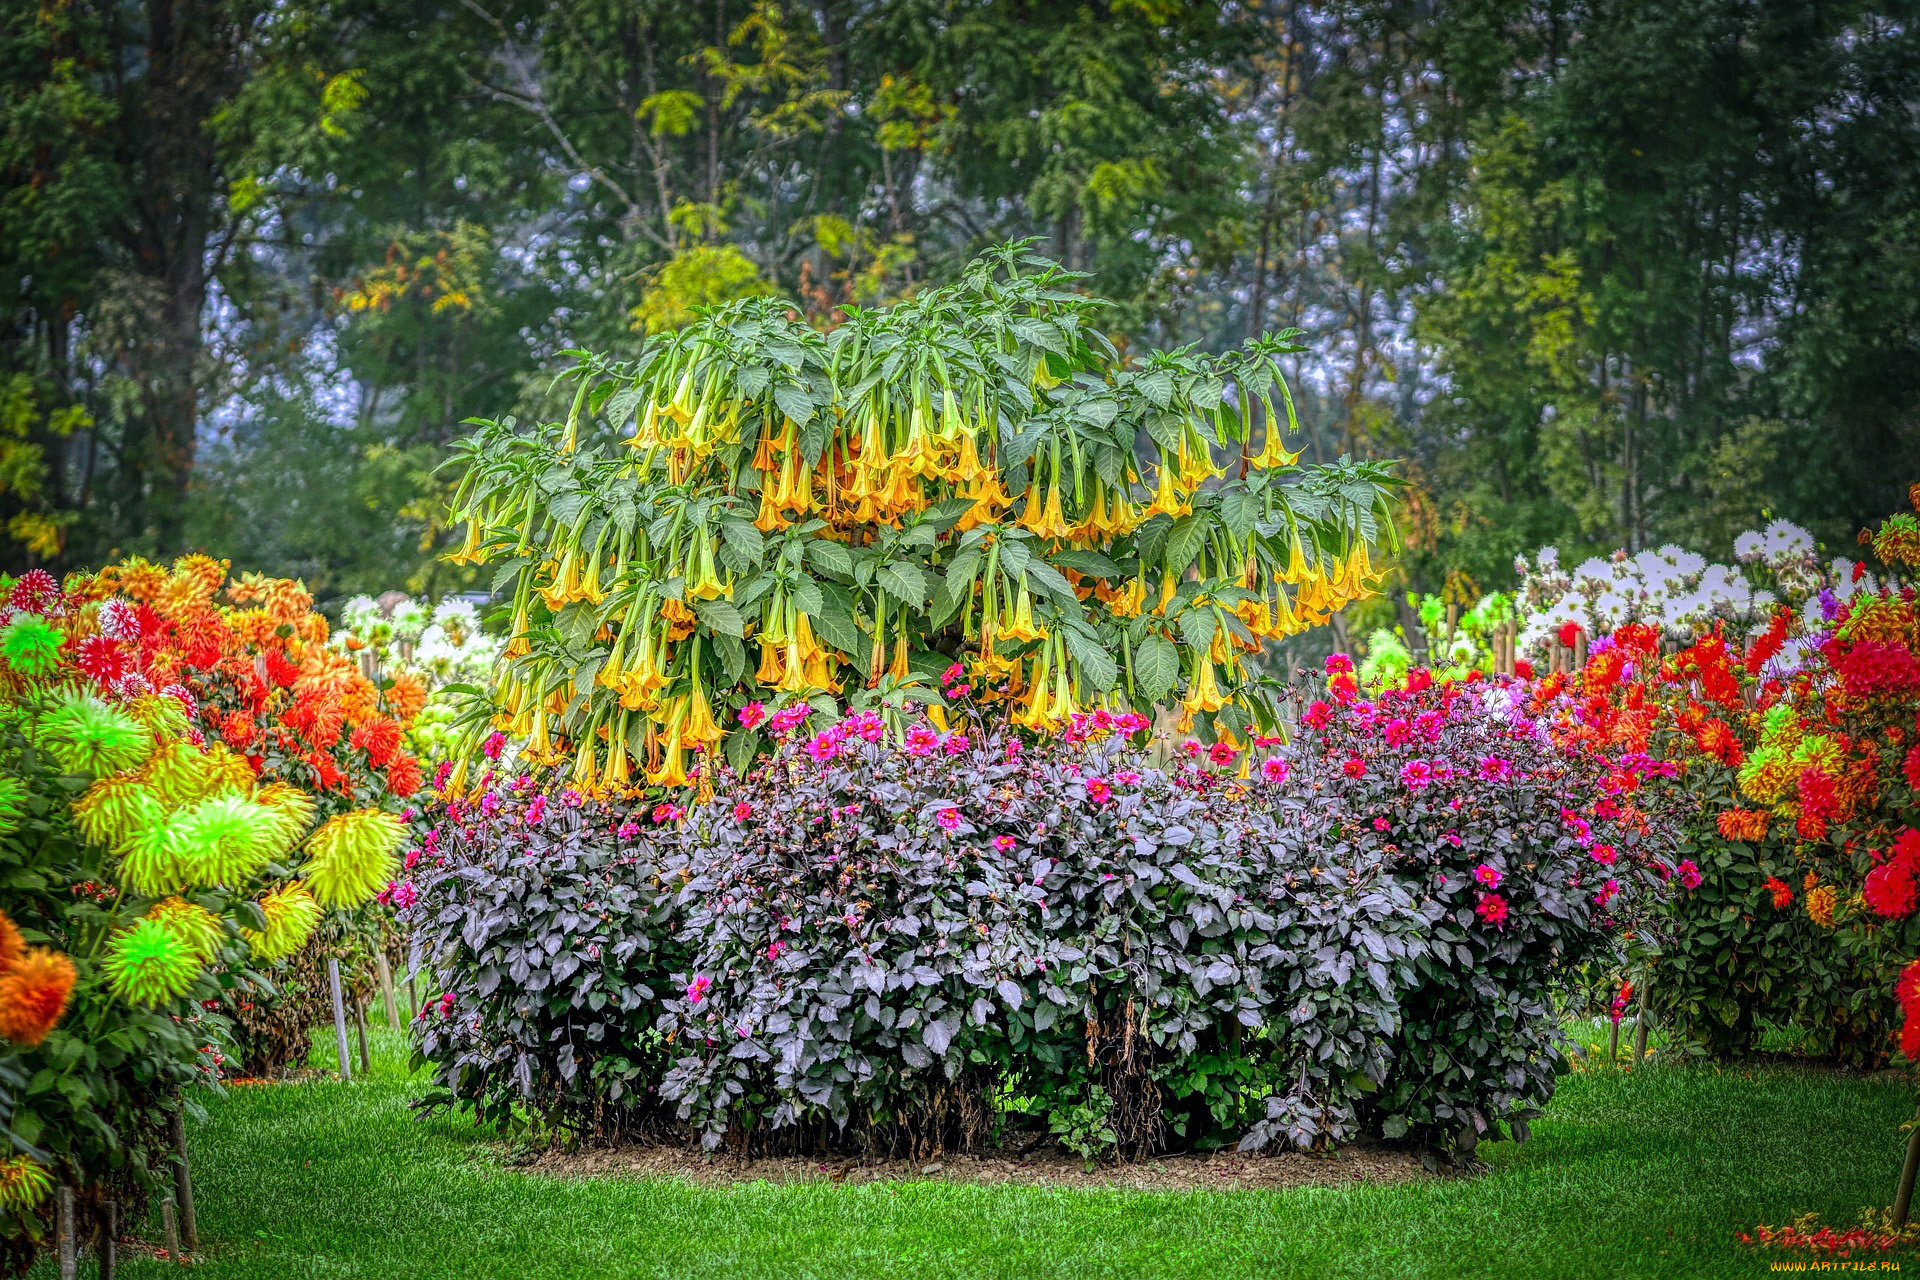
360 1025
109 1239
170 1229
65 1244
385 971
1640 1026
413 997
339 1019
183 1182
1613 1043
1903 1198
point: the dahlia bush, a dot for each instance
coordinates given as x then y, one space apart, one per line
1794 747
906 941
1679 593
148 869
254 659
438 647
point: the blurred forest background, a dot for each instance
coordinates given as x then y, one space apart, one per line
1603 273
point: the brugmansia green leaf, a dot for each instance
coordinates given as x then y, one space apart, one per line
1156 665
30 646
351 857
148 965
291 915
87 737
226 839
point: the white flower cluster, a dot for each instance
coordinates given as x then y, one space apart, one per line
443 644
1678 591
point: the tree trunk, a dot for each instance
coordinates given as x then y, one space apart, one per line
187 67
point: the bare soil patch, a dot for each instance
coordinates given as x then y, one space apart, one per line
1221 1170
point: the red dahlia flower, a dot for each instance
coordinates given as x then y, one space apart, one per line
1890 890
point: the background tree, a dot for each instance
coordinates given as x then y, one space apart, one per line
241 240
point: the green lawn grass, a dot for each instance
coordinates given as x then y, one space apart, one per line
1648 1173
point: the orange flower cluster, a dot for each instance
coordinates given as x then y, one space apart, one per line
252 658
35 985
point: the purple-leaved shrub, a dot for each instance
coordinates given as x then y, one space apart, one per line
903 946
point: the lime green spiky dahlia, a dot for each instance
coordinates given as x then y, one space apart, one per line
30 646
115 810
192 925
351 856
179 773
150 861
13 803
292 810
87 737
226 839
149 965
23 1184
292 915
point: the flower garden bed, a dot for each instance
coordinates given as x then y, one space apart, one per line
1034 1163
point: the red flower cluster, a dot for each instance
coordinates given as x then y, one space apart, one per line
250 660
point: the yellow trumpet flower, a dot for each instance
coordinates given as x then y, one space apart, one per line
1037 711
968 466
1272 456
583 767
1043 518
1126 602
673 765
469 552
899 669
770 517
1167 499
1203 695
561 592
518 643
1167 588
1020 625
700 729
619 772
704 582
763 453
769 669
793 675
1298 568
1196 465
590 589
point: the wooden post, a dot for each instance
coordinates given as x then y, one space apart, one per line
385 971
183 1181
339 1019
109 1234
65 1244
413 997
1903 1198
1613 1041
360 1025
1640 1026
170 1229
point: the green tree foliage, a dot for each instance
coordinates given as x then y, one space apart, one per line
1580 322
